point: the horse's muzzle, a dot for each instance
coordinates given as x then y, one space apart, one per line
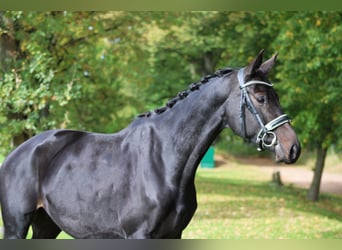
288 156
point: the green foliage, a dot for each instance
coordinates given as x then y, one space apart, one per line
311 75
66 71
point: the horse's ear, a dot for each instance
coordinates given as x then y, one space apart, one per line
266 67
253 67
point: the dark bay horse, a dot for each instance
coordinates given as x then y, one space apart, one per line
139 182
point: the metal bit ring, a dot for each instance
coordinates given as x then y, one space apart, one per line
265 136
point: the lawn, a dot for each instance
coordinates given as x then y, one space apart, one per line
240 202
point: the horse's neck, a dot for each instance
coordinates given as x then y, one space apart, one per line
193 124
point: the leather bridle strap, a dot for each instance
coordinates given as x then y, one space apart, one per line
266 132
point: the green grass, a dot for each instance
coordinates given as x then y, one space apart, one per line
236 204
239 202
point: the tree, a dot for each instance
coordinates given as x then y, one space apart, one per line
311 71
185 46
64 69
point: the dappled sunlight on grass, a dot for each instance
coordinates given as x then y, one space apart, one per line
231 207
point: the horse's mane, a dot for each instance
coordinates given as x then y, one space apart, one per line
183 94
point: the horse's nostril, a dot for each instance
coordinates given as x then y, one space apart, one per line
294 153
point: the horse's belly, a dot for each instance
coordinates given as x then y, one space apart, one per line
83 218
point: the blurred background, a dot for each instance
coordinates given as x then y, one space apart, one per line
96 71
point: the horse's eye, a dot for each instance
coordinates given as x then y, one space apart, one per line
261 99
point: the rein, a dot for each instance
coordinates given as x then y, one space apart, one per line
266 131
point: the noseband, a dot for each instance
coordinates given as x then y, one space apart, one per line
266 138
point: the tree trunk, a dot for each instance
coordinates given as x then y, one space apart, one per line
276 179
9 50
8 46
313 193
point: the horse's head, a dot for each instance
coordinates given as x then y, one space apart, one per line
260 117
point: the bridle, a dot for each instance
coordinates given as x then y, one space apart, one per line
266 131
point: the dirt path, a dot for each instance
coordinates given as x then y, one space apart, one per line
298 176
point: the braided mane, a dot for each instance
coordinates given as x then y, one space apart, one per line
183 94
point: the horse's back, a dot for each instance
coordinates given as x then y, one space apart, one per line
40 148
